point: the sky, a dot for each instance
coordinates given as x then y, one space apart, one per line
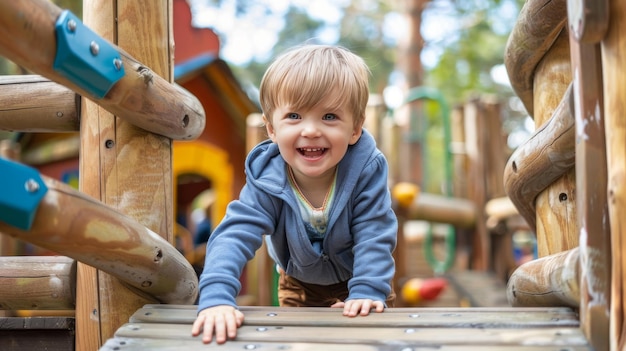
253 36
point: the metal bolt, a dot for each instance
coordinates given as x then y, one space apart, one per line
118 64
59 114
71 25
31 186
109 144
95 48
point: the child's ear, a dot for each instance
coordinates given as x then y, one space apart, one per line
269 128
356 134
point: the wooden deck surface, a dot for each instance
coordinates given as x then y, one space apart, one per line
168 327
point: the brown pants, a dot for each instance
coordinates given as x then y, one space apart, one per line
294 293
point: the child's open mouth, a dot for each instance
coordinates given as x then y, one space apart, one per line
312 152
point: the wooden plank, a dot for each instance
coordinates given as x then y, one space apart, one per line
37 333
145 344
167 327
138 344
378 334
121 344
399 317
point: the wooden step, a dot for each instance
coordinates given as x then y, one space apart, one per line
37 333
168 327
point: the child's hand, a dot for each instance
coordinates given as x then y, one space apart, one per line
353 308
223 320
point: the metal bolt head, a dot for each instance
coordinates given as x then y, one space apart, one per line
71 25
94 48
31 186
118 64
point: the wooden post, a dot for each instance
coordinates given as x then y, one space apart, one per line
614 76
591 185
557 228
474 146
259 269
125 167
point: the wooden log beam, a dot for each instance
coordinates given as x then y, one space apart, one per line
75 225
442 209
32 103
550 281
37 283
142 96
538 26
542 159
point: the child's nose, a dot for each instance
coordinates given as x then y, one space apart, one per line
310 129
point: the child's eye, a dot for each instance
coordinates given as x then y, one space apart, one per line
329 117
293 115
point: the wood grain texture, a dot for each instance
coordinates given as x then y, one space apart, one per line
32 103
78 226
163 327
539 24
37 283
144 96
546 156
591 185
614 76
548 281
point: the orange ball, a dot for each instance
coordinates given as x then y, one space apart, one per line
411 291
405 193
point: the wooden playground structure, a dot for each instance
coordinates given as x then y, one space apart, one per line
123 285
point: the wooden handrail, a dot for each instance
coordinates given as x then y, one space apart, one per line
142 97
542 159
73 224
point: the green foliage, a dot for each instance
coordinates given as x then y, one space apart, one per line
464 68
8 67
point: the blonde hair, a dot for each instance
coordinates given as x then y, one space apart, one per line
307 75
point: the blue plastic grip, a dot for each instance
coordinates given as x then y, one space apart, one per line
21 191
84 57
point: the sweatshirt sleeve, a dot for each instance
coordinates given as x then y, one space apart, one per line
375 228
232 244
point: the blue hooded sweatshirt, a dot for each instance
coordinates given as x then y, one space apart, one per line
359 241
